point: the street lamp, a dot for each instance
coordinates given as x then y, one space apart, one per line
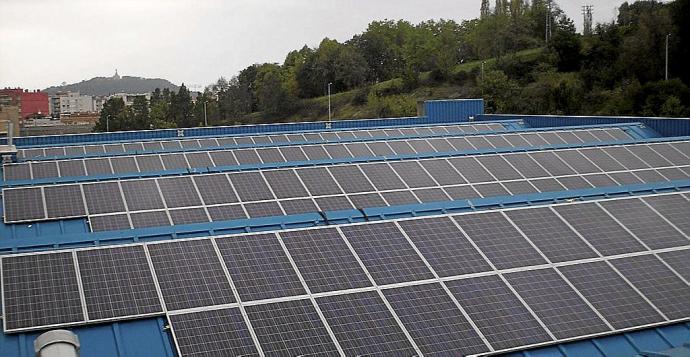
666 71
107 123
205 119
329 101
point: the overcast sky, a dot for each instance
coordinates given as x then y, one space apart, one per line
46 42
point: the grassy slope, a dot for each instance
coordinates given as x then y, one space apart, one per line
344 105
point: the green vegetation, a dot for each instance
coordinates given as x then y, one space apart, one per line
503 57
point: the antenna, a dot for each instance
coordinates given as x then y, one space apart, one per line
587 11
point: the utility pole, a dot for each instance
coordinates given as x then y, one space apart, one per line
587 12
329 101
205 119
547 34
666 71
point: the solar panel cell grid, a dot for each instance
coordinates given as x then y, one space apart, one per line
149 219
174 161
250 186
396 198
213 333
293 154
103 198
117 282
215 189
17 172
563 312
428 195
188 216
96 167
442 172
389 258
600 230
519 187
114 222
259 267
351 179
441 243
498 313
617 302
285 184
202 282
504 246
577 161
44 169
150 163
141 195
71 168
645 224
324 260
299 206
550 234
657 283
434 321
382 176
367 200
40 290
678 260
226 213
291 328
124 164
363 325
263 209
413 174
64 201
318 181
24 204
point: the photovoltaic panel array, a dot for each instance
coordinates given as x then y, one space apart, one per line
248 140
430 285
278 192
223 158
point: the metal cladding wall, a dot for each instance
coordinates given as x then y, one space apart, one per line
453 110
664 126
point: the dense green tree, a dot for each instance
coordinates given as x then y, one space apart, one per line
111 116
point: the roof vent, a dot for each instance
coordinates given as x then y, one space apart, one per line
57 343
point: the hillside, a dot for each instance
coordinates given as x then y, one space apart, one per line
115 84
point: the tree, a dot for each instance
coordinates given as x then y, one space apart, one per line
140 113
111 115
485 10
273 98
181 107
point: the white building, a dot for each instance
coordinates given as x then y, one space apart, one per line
69 103
129 98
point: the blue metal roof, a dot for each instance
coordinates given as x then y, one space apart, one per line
150 337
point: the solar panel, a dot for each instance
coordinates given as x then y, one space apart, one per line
497 312
389 258
382 176
499 167
291 328
367 200
259 267
97 167
141 195
293 154
226 213
395 198
420 146
125 164
431 195
674 208
337 151
442 172
315 152
645 224
657 283
359 150
413 174
188 216
351 179
519 187
333 203
324 260
149 163
117 282
441 145
17 172
601 159
213 333
650 156
64 201
113 222
573 182
434 321
174 161
270 155
561 309
617 302
25 204
71 168
504 246
318 181
299 206
668 153
103 197
363 325
179 192
528 167
263 209
600 230
44 169
552 163
678 260
471 169
401 147
40 290
250 186
149 219
577 161
190 274
626 158
547 185
223 158
491 189
285 184
550 234
461 192
446 249
215 189
247 157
